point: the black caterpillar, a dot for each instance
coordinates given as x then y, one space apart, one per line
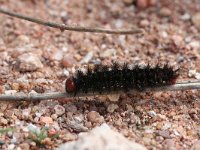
116 78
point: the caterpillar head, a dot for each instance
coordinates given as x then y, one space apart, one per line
70 86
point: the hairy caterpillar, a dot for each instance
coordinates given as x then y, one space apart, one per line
103 78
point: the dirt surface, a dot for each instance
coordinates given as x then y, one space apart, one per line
169 120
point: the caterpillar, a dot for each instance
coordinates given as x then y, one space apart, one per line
102 78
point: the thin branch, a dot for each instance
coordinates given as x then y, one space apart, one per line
63 27
58 95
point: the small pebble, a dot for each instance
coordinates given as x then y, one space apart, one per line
191 133
31 127
88 124
64 16
46 120
185 17
32 143
10 92
181 131
94 117
108 53
47 141
119 23
194 73
87 58
159 139
15 86
71 108
165 12
13 140
159 126
68 61
166 125
152 113
37 114
114 97
169 144
79 118
134 119
28 62
77 57
145 3
196 20
26 113
112 107
3 121
144 23
152 2
52 131
194 45
11 147
66 72
77 127
176 133
163 117
2 89
128 2
142 3
164 133
21 40
57 55
59 110
177 39
193 114
69 137
192 111
196 145
54 116
25 146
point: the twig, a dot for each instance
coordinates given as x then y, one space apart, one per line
63 27
58 95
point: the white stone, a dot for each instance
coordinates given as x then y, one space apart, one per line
32 127
164 34
194 73
119 23
26 112
191 73
152 113
166 126
58 55
108 53
101 138
185 17
65 72
194 44
87 58
176 133
28 62
11 147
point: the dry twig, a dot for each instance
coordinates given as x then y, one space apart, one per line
63 27
58 95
